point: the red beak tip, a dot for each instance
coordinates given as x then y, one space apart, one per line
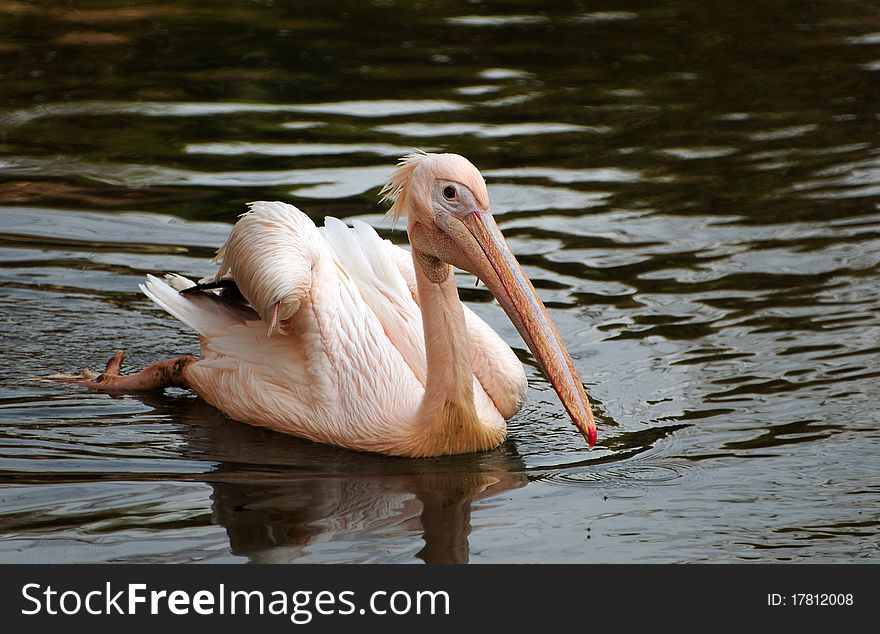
591 434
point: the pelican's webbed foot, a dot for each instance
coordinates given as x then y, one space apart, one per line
167 373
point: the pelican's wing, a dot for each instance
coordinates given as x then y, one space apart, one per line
363 258
270 254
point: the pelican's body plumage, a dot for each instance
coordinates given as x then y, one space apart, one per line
345 361
339 336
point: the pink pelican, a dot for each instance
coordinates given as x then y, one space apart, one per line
336 335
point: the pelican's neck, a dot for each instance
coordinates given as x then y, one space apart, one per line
447 413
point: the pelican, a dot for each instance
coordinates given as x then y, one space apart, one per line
336 335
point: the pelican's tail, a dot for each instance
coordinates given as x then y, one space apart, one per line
206 313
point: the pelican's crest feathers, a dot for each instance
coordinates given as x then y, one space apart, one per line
452 167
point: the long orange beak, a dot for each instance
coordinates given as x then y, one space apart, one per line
497 267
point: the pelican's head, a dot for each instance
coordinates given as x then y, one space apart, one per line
447 206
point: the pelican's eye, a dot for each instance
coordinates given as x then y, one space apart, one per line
449 192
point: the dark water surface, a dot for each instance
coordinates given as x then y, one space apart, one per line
692 186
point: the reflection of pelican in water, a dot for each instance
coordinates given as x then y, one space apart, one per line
276 495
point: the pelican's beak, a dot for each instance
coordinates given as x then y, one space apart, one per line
495 265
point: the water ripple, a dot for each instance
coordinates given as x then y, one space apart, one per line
369 109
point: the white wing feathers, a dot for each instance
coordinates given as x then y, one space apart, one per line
363 257
269 254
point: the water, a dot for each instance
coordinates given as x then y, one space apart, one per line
692 186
